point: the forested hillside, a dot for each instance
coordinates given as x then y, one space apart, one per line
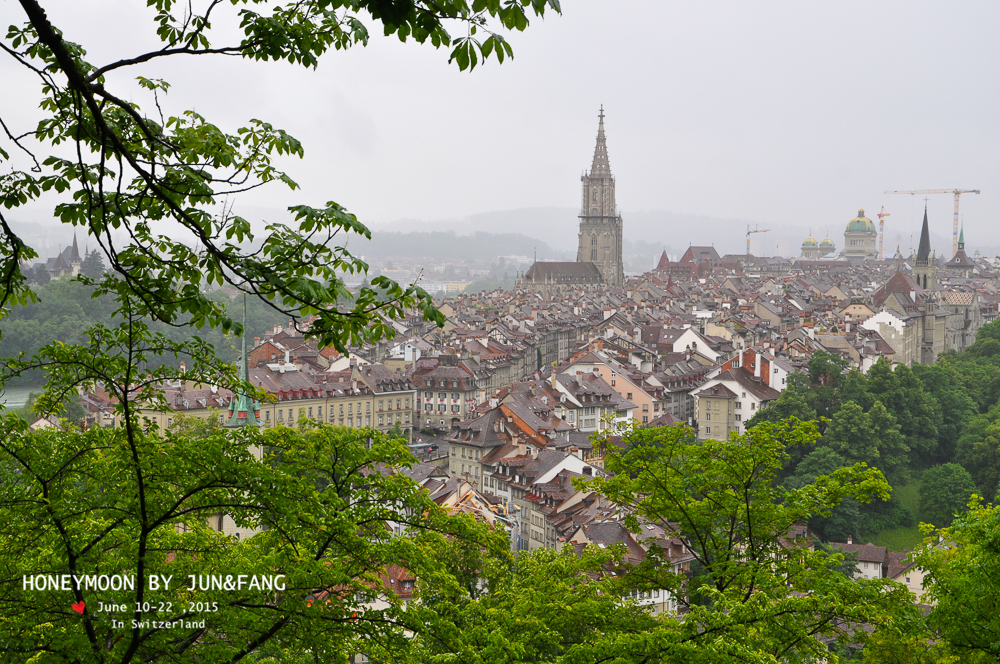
933 430
65 309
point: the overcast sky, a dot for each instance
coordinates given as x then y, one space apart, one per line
787 113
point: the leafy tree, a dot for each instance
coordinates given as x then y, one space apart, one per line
873 438
40 275
989 330
793 402
545 606
759 594
844 520
945 490
128 169
854 388
826 368
132 499
979 451
962 584
93 265
942 381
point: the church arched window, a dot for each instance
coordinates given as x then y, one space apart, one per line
593 194
593 240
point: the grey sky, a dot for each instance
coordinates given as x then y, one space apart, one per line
785 113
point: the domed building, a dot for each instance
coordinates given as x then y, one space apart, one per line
827 247
810 249
860 238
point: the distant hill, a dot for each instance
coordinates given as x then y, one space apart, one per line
449 244
651 231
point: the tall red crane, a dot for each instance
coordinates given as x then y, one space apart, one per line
957 193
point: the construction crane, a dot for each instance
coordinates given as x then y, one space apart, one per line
750 232
881 230
957 193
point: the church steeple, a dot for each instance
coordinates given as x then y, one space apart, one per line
242 409
961 238
925 265
601 166
924 249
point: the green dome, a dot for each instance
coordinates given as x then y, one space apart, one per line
861 223
810 242
827 243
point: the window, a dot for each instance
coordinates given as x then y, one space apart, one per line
739 404
708 416
397 404
708 403
407 403
368 420
455 395
267 416
381 404
380 420
310 412
645 419
368 407
428 395
442 395
350 409
708 429
280 418
739 417
744 395
629 396
290 417
752 405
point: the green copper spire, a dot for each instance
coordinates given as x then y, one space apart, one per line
243 410
961 237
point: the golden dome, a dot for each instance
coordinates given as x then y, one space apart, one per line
861 223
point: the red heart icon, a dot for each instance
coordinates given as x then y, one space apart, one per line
78 607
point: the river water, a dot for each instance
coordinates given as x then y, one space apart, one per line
15 397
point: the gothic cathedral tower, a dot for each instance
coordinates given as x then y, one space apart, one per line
600 223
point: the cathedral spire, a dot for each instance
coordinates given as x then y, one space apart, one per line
601 167
924 248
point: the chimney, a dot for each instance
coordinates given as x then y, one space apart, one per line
849 540
288 356
183 366
522 449
256 341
